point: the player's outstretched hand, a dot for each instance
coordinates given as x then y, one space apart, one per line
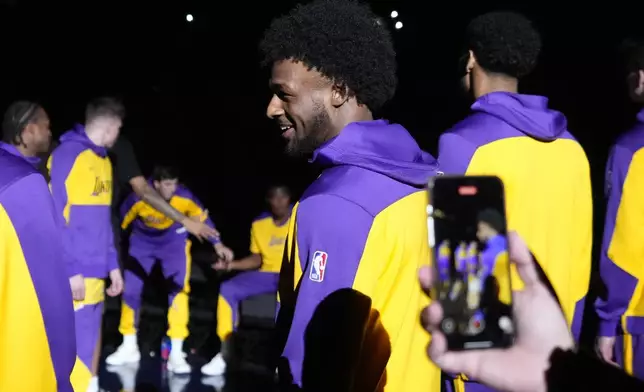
540 324
223 252
77 284
116 287
221 265
196 226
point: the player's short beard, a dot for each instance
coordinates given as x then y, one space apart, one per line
318 131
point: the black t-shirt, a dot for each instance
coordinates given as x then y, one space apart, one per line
125 167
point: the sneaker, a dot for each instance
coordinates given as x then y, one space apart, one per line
216 367
177 364
124 355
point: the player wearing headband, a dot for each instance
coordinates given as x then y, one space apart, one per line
37 323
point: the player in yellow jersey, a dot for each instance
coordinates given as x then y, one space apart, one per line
259 271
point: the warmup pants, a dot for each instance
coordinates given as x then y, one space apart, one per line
88 316
237 289
629 352
176 263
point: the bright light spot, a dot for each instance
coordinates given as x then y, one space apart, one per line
394 14
189 18
398 25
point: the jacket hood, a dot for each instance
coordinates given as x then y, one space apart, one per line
527 113
78 135
380 147
11 149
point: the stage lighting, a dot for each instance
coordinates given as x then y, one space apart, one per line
189 18
398 25
394 14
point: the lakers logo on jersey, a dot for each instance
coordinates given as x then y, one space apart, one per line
101 186
276 241
152 220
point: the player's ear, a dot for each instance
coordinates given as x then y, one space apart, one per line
339 94
471 61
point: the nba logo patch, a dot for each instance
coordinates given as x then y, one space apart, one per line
318 266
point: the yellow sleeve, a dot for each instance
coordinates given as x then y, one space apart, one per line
129 212
254 243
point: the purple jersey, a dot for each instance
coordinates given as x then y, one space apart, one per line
443 260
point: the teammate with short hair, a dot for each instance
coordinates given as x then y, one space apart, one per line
519 139
81 185
621 310
260 270
348 316
37 342
157 237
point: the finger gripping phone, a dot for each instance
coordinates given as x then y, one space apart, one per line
468 236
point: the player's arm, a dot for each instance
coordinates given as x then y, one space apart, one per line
129 210
61 166
196 211
623 241
129 170
454 153
331 237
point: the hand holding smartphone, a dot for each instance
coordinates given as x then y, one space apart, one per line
468 235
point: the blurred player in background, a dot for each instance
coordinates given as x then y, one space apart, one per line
261 269
128 178
621 310
37 342
443 261
81 185
519 139
157 237
493 258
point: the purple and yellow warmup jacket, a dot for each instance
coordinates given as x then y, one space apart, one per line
349 293
622 257
81 185
546 176
37 340
149 226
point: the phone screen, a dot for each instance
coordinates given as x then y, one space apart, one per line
468 225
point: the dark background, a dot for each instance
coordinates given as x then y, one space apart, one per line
196 96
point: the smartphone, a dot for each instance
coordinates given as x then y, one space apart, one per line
468 236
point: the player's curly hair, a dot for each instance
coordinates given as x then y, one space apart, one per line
632 54
504 42
341 39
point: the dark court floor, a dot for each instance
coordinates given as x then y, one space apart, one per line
150 376
250 345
